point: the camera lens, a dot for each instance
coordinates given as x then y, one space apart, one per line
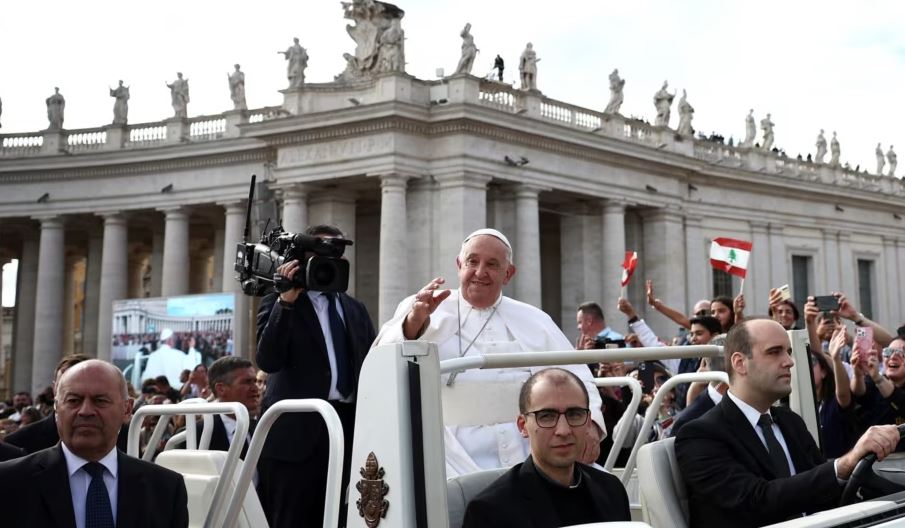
324 273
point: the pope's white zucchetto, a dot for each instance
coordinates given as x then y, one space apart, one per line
491 232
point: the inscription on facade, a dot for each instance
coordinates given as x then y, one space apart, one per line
335 150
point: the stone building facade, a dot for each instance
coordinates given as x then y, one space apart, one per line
407 168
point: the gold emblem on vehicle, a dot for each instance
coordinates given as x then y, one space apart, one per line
372 505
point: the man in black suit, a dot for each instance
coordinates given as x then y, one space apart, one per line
85 481
312 344
551 488
232 379
756 464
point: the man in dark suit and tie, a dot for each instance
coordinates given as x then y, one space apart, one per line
748 463
84 481
312 344
551 488
232 379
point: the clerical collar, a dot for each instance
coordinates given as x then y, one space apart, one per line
576 477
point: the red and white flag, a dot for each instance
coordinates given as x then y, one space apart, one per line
730 255
628 266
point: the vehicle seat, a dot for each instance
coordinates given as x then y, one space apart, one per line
664 498
201 471
460 490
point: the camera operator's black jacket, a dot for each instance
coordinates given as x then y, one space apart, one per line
291 348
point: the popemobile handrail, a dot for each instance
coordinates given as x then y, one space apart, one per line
167 410
620 430
334 461
654 407
569 357
189 435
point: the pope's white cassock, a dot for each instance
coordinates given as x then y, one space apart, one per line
508 326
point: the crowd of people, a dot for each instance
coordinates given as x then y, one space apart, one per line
312 344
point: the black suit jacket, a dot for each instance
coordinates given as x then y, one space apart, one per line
34 491
518 499
9 452
43 434
219 440
292 349
698 408
729 476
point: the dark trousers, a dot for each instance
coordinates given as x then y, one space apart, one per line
292 493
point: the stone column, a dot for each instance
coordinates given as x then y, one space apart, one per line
891 317
831 261
199 278
664 260
136 273
501 216
759 270
175 253
779 267
419 207
462 210
573 237
527 245
613 244
156 264
69 305
235 222
26 284
114 279
295 208
593 259
847 264
92 292
394 254
696 265
220 253
48 327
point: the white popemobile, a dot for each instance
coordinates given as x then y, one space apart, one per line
403 405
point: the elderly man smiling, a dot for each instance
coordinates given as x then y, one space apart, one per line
476 319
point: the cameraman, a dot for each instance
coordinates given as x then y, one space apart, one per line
312 345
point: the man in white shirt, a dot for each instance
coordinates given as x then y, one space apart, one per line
477 319
84 481
756 463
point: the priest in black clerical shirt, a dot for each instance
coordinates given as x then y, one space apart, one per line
550 488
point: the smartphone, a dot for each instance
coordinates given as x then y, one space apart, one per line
826 303
864 343
784 292
646 373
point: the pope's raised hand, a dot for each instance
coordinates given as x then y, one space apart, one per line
425 302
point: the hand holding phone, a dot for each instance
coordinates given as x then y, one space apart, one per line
863 344
826 303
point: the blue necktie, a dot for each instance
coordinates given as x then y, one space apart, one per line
98 513
340 348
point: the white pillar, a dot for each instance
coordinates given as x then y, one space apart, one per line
527 246
69 305
613 244
26 283
664 259
114 279
175 253
573 292
235 222
462 210
394 254
220 252
295 208
419 207
696 266
156 264
48 315
92 292
592 256
759 270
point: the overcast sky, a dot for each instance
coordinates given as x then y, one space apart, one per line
812 64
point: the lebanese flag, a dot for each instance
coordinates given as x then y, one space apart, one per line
730 255
628 266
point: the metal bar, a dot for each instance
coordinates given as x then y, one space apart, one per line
621 429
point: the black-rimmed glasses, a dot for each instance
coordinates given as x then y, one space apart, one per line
547 418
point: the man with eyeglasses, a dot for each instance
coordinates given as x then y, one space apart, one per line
551 488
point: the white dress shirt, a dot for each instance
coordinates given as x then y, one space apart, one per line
753 415
319 300
79 480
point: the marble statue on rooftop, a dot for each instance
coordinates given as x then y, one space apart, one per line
821 147
750 130
663 102
298 61
616 85
527 68
834 151
56 104
179 94
379 39
237 88
881 159
767 126
686 114
469 51
893 160
121 105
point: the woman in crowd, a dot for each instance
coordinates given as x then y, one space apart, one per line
834 398
724 309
